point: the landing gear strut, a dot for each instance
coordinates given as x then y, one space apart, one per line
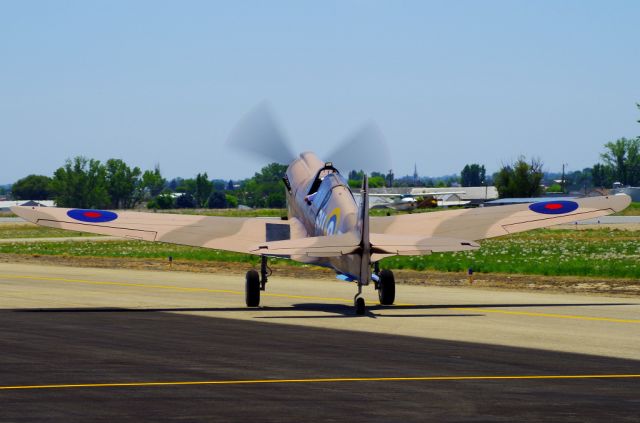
358 301
256 282
265 272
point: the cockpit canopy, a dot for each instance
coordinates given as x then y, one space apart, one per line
327 169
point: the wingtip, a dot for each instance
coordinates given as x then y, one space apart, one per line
620 201
28 213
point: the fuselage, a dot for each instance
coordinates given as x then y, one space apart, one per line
320 200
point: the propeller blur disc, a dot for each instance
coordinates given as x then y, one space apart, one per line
365 149
259 134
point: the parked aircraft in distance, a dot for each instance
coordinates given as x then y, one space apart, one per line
407 202
325 224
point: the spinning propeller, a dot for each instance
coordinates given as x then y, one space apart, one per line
259 134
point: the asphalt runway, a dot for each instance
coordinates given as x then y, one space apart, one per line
113 345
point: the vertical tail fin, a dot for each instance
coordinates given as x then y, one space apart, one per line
365 244
364 211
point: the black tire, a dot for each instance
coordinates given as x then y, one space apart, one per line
360 306
387 287
252 289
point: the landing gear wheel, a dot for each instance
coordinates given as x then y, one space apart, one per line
252 289
387 287
360 306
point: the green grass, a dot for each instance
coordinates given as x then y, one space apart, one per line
9 231
594 252
130 249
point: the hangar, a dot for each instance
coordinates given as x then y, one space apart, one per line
5 206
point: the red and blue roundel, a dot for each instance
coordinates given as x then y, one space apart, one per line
92 216
554 207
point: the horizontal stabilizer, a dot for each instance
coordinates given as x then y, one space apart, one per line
416 245
318 246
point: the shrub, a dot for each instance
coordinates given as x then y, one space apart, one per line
185 201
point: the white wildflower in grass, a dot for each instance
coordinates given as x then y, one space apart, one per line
600 252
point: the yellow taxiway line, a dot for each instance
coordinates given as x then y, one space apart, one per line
307 297
553 315
318 380
167 287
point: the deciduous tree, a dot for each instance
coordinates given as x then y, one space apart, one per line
203 189
123 184
217 200
601 175
623 157
32 187
473 175
185 201
81 183
519 179
153 182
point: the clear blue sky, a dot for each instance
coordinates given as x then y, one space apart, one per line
448 82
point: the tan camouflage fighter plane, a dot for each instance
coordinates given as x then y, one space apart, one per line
327 227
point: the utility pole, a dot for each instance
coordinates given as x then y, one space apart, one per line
562 182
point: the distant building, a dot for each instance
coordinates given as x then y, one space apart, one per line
6 205
475 195
451 200
450 196
633 192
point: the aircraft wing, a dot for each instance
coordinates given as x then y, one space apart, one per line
318 246
225 233
488 222
383 245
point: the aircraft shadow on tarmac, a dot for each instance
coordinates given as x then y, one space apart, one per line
335 310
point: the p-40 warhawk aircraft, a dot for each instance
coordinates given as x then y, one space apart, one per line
327 227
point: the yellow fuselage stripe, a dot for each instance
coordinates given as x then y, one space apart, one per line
319 380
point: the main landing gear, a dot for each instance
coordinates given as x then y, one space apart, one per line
383 279
386 287
358 301
384 282
256 282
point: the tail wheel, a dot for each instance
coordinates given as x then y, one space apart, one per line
252 289
387 287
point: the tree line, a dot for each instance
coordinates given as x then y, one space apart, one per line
620 163
88 183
